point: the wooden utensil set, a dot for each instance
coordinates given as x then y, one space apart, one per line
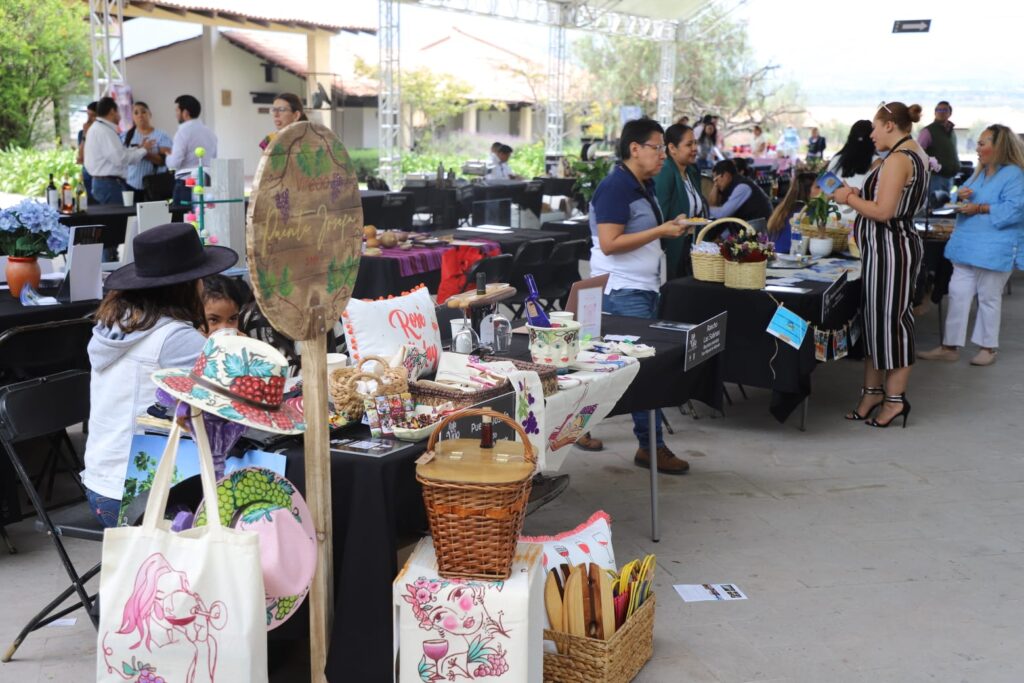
592 602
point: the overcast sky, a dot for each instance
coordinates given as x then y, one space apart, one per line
840 53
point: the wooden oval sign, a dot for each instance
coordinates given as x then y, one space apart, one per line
305 226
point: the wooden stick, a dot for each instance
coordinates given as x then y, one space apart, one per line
318 491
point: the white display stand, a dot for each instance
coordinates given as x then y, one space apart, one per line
226 220
441 623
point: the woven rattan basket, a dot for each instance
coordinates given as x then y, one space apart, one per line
745 275
707 267
343 394
476 499
616 660
840 238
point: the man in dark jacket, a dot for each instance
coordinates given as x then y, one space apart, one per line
938 140
738 197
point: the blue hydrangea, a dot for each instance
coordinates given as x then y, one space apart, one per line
57 240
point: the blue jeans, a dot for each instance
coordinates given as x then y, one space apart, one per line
937 182
107 191
637 303
106 509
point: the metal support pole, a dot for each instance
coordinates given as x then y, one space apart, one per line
803 414
667 83
555 127
652 450
389 100
106 31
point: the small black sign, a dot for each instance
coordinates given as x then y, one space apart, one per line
912 26
832 296
705 340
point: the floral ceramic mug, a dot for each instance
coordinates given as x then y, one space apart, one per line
557 346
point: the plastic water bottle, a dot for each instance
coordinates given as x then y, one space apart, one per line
796 240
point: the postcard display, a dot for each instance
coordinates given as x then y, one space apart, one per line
467 629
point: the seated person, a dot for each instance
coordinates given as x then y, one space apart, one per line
502 171
737 196
801 189
223 299
146 321
493 160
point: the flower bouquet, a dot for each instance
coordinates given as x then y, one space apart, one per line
746 255
29 230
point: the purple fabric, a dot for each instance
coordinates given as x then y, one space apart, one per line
223 434
424 259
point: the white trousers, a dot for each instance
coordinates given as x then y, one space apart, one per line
969 282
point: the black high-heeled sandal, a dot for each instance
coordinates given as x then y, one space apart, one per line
853 415
905 412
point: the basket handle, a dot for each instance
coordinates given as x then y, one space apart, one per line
700 235
383 362
528 454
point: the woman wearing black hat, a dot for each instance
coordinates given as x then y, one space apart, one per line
147 321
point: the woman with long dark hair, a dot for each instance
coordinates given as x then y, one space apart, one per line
891 252
147 321
799 192
708 153
142 128
677 187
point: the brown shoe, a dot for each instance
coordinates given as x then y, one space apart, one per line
668 463
985 357
589 443
945 353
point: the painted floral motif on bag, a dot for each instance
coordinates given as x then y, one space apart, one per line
469 643
164 615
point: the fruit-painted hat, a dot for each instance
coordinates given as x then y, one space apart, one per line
239 379
260 500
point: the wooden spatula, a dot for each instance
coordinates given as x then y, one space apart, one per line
553 599
588 601
604 605
572 604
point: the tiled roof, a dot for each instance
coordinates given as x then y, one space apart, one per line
296 13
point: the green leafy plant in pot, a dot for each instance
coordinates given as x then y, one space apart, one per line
818 210
589 175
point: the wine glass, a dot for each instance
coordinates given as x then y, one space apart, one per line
602 541
436 650
585 548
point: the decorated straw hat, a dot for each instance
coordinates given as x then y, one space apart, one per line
239 379
258 499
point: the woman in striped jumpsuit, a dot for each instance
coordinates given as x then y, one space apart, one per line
891 253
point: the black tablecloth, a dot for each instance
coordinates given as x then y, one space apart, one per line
13 314
510 241
748 347
112 216
379 277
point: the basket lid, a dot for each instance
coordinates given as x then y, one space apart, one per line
462 461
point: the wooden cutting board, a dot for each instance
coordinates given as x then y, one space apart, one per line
553 599
604 606
572 604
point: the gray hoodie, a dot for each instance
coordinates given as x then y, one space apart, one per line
180 349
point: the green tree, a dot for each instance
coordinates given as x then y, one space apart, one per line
716 72
44 56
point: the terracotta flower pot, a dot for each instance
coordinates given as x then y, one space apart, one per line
22 270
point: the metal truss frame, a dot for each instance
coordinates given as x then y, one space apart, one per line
106 31
389 114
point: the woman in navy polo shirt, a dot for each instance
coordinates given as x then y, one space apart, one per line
627 227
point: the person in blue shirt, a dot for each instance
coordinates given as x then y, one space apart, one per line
626 227
987 239
142 129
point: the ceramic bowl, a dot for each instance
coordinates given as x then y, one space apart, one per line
821 246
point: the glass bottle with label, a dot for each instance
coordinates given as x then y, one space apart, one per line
67 197
52 196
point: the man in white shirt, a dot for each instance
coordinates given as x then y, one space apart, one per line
493 160
106 157
192 133
501 170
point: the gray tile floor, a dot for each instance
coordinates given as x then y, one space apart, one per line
868 555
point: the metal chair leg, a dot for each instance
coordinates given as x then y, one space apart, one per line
11 550
668 427
728 398
743 391
803 415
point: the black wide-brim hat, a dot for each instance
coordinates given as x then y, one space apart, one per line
169 254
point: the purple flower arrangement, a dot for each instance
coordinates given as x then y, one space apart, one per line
746 246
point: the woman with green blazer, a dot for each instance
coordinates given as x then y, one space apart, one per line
678 190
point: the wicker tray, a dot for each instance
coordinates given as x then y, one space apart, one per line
616 660
840 238
434 396
476 504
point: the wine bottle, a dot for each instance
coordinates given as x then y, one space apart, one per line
52 197
486 432
67 197
481 284
535 314
80 201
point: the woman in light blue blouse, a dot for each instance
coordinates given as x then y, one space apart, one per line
988 236
153 162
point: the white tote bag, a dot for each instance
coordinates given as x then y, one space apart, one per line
181 607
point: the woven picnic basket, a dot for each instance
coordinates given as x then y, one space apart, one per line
707 267
746 275
588 660
476 498
432 395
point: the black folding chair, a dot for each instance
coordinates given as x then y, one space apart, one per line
531 258
28 410
34 351
563 266
498 269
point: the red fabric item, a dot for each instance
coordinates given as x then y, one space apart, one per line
455 263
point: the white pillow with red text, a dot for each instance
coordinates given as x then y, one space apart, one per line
381 328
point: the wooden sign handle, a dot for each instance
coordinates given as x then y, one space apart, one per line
318 490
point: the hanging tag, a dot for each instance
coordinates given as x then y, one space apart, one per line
840 345
425 458
820 345
788 326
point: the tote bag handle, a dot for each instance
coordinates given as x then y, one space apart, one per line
157 503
